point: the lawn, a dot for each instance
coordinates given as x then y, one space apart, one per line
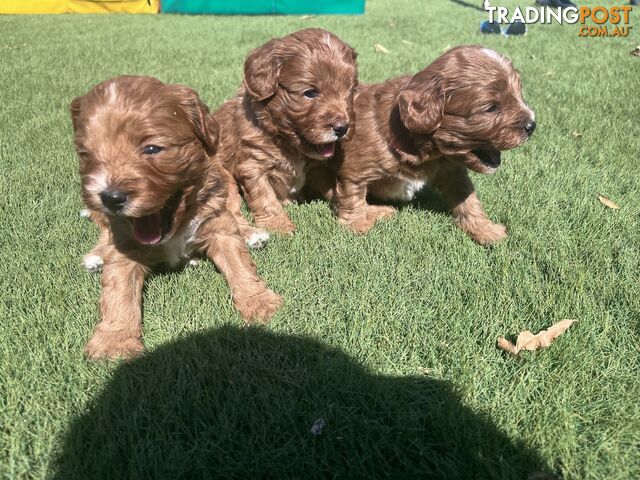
389 338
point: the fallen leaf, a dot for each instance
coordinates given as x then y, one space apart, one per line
307 17
528 341
446 48
636 51
576 134
550 73
407 42
507 346
392 25
608 202
316 428
380 49
425 370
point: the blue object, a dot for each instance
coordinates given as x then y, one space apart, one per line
516 28
489 27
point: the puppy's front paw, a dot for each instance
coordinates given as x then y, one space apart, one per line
280 224
113 345
359 225
488 233
365 220
256 238
93 263
378 212
260 307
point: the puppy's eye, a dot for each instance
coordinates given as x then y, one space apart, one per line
492 108
311 93
152 149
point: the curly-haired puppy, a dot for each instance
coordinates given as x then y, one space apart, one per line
295 108
457 114
155 187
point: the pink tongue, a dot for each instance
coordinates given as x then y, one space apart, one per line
327 150
148 230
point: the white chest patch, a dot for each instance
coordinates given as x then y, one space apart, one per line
180 247
396 189
300 176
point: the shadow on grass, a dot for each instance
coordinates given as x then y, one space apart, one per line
426 199
236 403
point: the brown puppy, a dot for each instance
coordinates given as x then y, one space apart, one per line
155 187
459 113
296 105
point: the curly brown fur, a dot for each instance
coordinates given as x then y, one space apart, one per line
295 108
157 191
457 114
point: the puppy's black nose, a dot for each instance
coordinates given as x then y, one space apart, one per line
114 200
340 129
530 127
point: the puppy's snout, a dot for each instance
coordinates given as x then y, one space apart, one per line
530 127
340 129
114 200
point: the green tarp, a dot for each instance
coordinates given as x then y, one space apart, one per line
256 7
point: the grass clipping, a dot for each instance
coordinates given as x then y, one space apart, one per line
528 341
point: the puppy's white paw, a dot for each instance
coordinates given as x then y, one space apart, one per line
84 213
93 263
194 262
257 240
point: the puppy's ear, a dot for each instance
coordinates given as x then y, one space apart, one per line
75 109
261 70
204 126
349 54
421 106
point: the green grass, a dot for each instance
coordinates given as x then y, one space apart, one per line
390 338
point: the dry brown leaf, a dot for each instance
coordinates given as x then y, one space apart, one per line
608 202
528 341
576 134
380 48
636 51
507 346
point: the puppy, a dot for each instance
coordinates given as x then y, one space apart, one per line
459 113
295 108
154 186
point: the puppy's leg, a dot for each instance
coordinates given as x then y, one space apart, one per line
94 260
265 206
118 334
254 237
353 211
224 246
457 190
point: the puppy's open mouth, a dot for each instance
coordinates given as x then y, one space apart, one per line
325 150
490 158
151 229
